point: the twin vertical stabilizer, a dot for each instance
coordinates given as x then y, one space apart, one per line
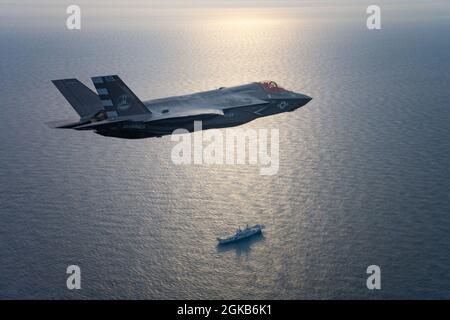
116 98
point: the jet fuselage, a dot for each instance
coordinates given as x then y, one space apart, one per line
117 112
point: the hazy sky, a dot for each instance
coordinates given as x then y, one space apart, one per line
18 13
29 5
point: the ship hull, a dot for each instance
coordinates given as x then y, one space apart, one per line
224 241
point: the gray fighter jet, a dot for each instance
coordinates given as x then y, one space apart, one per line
117 112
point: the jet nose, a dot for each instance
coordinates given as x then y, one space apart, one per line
305 97
301 100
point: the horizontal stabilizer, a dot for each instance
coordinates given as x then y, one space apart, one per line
64 124
98 125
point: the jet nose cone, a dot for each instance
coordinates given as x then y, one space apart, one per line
303 97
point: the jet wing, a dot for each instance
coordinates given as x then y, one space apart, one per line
180 113
200 104
238 100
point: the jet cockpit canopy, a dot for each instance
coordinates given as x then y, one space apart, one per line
271 86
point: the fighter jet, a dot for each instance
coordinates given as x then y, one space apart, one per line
115 111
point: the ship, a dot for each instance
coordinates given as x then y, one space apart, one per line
241 234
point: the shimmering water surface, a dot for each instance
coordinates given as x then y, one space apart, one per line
364 172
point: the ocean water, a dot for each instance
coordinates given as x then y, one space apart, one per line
364 172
